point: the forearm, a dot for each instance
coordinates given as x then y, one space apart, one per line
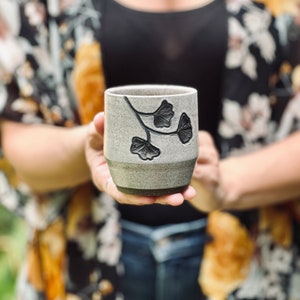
46 157
267 176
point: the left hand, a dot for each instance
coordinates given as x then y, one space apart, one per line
206 176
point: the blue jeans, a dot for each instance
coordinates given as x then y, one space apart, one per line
162 263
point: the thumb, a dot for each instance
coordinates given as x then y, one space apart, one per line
99 123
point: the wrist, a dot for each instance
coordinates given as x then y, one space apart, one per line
230 183
206 199
75 149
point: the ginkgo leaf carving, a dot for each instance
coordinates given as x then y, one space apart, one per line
163 115
161 118
184 129
144 149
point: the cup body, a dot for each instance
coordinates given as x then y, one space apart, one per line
150 137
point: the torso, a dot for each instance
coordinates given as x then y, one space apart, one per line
167 45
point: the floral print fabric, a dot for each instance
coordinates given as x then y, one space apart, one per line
73 246
51 72
255 254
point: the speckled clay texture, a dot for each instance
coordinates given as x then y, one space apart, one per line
151 137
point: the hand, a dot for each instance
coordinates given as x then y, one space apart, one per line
206 176
102 178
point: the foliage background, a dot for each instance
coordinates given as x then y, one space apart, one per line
12 243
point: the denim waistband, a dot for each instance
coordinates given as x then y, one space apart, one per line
165 242
159 232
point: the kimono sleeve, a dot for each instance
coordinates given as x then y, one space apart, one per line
30 91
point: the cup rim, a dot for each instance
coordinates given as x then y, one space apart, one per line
165 90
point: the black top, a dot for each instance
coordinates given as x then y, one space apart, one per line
185 48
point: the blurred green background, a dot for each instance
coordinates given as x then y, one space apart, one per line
12 242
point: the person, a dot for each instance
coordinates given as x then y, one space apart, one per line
71 52
243 182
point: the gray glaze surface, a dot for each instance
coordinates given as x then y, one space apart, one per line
151 137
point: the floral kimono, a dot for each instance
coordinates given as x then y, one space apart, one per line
73 243
51 72
255 254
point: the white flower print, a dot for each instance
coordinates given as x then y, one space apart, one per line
35 12
250 121
110 249
275 261
258 22
249 66
290 118
295 285
43 59
104 206
235 54
108 236
231 125
252 286
272 288
9 8
11 55
87 243
25 106
35 214
242 38
64 4
39 213
8 195
282 260
3 96
235 5
238 54
53 7
258 112
25 290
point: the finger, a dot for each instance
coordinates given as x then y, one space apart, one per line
99 122
100 174
94 139
104 182
173 200
178 198
208 174
189 193
133 199
204 138
108 181
208 155
123 198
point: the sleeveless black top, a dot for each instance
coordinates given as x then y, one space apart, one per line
185 48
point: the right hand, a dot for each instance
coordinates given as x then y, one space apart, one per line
102 178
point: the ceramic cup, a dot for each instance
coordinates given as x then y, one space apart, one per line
150 137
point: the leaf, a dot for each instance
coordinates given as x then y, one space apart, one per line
184 129
163 115
144 149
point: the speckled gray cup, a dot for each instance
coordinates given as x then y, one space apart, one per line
150 137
